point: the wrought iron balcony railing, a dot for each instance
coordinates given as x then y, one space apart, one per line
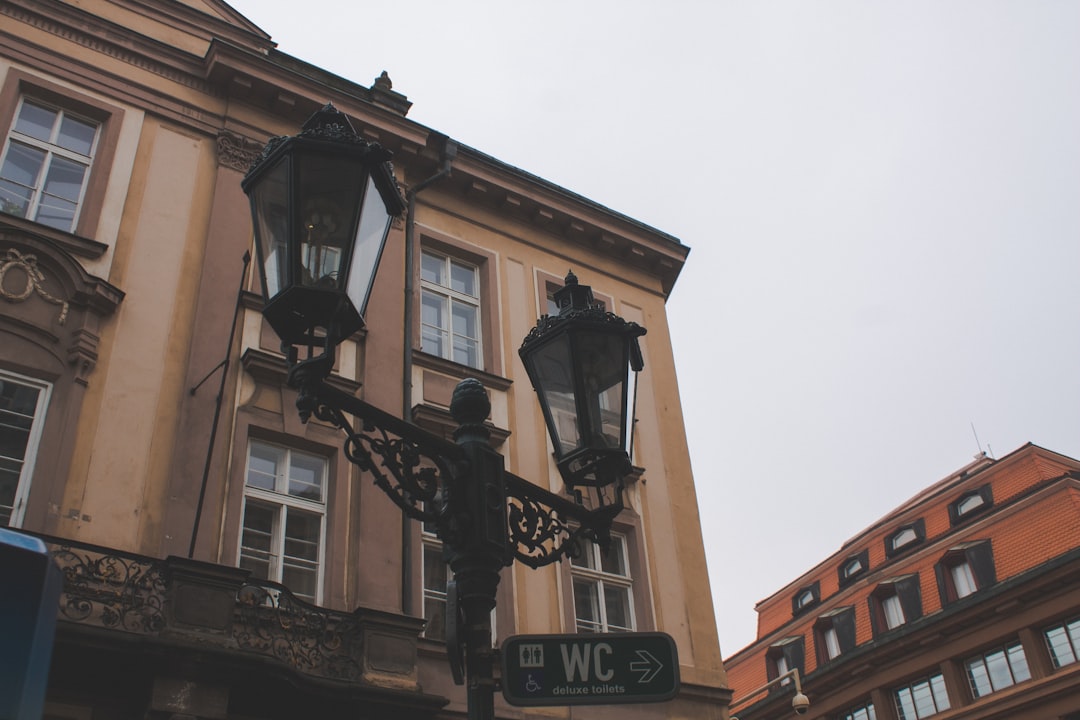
176 597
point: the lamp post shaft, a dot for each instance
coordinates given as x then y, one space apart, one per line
477 546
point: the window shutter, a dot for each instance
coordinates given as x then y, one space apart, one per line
844 624
910 598
793 653
981 558
943 584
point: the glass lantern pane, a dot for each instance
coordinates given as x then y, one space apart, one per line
270 201
554 380
601 358
328 187
370 236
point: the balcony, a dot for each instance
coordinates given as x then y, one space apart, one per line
224 616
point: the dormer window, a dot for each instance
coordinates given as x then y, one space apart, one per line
905 538
853 567
970 504
805 597
902 538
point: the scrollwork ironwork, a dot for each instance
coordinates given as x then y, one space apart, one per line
270 620
411 472
111 589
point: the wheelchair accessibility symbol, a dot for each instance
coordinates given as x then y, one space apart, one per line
531 686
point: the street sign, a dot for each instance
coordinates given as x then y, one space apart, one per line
589 669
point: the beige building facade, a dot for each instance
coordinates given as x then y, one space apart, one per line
225 558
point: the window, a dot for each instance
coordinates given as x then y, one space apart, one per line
805 597
997 669
284 517
970 504
783 657
436 577
436 574
1063 641
863 712
922 698
905 538
603 601
853 567
964 570
22 416
46 164
834 633
895 603
450 309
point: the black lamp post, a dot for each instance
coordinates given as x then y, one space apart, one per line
322 203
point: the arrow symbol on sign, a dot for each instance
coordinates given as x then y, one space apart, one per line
648 666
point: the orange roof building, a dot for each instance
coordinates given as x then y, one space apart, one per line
962 603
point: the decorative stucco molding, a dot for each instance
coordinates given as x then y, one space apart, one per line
33 280
236 152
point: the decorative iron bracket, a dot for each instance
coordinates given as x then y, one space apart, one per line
412 466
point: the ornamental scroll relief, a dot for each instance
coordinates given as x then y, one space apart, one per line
236 152
32 279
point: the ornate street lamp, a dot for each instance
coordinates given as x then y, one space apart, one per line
322 203
583 363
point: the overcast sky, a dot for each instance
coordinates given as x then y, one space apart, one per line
882 201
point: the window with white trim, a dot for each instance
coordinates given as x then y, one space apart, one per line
436 573
23 402
436 578
450 309
964 570
894 603
603 597
997 669
783 657
1063 642
46 164
863 712
922 698
834 633
284 522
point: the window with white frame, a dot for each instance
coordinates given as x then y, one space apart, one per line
997 669
894 603
1063 641
783 657
46 164
922 698
436 574
603 597
436 577
853 567
284 522
862 712
964 570
834 633
23 402
450 309
905 538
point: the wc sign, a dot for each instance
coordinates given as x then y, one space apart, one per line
593 669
